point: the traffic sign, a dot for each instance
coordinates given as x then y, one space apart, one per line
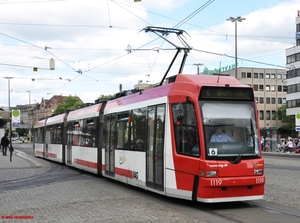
297 129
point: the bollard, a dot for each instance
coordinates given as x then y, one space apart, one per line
11 149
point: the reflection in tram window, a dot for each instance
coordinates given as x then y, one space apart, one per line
138 131
82 133
39 135
123 123
186 133
54 134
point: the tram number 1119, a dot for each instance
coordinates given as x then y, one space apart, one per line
215 182
259 180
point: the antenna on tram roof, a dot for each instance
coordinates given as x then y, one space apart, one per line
161 32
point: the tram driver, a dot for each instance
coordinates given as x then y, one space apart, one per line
139 144
220 136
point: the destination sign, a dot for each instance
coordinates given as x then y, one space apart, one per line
227 93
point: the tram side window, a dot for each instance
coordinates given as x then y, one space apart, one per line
138 130
185 129
109 132
89 133
54 134
39 135
82 133
123 122
74 132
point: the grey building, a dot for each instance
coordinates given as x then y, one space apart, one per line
293 75
269 90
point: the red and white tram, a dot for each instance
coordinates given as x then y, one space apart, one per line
163 139
82 138
54 137
39 138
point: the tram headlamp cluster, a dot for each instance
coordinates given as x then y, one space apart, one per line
211 173
258 171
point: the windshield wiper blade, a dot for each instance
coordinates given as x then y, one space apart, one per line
238 158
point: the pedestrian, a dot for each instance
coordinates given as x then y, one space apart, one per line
262 143
4 144
268 144
288 146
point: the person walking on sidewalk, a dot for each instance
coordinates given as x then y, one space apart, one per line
4 144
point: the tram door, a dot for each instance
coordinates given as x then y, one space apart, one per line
47 141
69 143
110 128
155 147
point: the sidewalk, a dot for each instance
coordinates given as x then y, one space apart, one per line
19 160
294 155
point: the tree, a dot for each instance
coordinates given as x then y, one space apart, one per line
288 121
108 96
70 102
21 131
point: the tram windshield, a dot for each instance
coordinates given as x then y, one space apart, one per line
230 129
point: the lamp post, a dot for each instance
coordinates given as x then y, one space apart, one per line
198 64
29 97
29 120
10 124
235 20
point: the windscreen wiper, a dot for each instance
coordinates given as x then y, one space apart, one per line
238 158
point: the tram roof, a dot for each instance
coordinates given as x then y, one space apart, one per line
40 123
56 119
164 90
215 80
86 112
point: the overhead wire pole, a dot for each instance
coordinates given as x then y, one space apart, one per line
235 20
29 121
198 64
10 124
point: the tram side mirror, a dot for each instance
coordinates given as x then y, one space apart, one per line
179 118
188 100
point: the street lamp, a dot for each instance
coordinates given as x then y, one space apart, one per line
10 124
235 20
29 120
198 64
29 97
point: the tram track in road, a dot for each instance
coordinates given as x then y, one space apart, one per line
248 212
273 209
228 212
57 172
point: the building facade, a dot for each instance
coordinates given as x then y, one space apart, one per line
293 74
269 90
33 112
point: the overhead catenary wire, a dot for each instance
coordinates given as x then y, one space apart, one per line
108 13
140 48
193 14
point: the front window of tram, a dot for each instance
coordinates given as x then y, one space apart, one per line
230 130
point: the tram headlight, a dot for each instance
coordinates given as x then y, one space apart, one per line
258 171
211 173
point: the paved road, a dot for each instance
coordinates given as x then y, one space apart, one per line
77 197
68 195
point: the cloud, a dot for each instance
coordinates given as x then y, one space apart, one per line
94 37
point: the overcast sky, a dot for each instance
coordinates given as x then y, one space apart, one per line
89 41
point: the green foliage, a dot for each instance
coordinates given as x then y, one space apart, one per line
22 132
108 96
71 102
288 121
